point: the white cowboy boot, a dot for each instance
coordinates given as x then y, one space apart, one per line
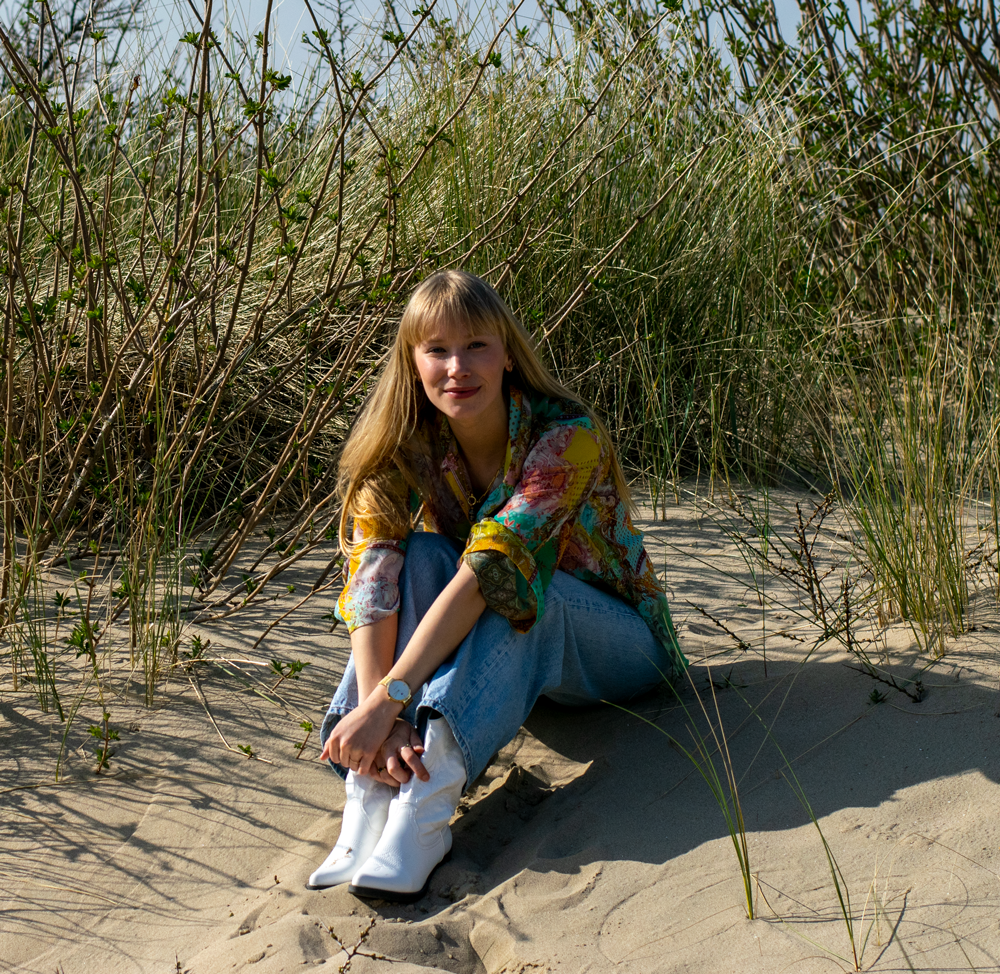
417 836
365 814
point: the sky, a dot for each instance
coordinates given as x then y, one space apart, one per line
169 19
292 17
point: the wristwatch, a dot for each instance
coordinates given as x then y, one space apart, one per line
398 690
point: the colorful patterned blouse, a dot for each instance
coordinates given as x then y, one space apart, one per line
553 505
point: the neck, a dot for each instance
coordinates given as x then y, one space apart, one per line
483 440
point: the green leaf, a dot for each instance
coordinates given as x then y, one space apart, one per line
277 81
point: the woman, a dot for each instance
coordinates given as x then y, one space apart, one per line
528 578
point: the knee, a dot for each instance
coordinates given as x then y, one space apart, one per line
430 555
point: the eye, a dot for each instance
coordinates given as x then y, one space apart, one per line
477 344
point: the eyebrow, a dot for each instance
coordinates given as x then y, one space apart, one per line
436 339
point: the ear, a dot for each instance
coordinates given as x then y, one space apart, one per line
509 364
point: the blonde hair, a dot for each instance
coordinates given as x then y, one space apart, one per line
374 455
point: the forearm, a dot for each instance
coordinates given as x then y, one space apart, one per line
447 622
373 648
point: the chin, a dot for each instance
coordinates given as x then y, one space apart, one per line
460 409
447 404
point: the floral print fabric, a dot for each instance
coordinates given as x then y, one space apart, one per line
553 505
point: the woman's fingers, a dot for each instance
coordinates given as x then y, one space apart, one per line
403 735
339 747
410 755
392 761
324 755
380 772
398 771
359 737
414 756
358 762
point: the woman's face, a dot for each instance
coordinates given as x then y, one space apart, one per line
462 373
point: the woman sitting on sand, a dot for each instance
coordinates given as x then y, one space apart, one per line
528 578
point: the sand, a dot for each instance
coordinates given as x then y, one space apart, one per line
592 843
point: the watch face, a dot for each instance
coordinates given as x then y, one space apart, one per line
398 690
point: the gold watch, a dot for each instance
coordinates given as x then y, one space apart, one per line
398 690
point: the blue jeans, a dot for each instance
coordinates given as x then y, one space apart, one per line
588 646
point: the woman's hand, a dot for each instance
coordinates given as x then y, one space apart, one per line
399 758
357 739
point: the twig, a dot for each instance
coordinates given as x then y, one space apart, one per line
742 643
196 684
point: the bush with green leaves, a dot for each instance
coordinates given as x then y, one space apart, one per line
203 268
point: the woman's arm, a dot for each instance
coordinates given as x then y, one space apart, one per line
358 737
446 623
372 647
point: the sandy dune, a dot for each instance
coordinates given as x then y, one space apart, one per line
592 844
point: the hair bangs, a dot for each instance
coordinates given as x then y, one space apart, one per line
453 298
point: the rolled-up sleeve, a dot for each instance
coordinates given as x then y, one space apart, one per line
371 592
515 551
371 586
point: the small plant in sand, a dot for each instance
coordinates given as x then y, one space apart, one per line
307 726
198 647
705 750
286 670
104 734
834 601
857 934
83 639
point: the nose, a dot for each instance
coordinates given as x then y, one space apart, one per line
457 365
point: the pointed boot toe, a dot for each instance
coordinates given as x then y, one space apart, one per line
365 814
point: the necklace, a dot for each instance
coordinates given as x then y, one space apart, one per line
474 502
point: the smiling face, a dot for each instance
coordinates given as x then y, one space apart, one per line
462 373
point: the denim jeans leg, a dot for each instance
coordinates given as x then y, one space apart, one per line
613 654
587 647
488 686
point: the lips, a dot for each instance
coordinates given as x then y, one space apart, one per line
461 393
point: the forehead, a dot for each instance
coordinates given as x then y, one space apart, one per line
450 328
